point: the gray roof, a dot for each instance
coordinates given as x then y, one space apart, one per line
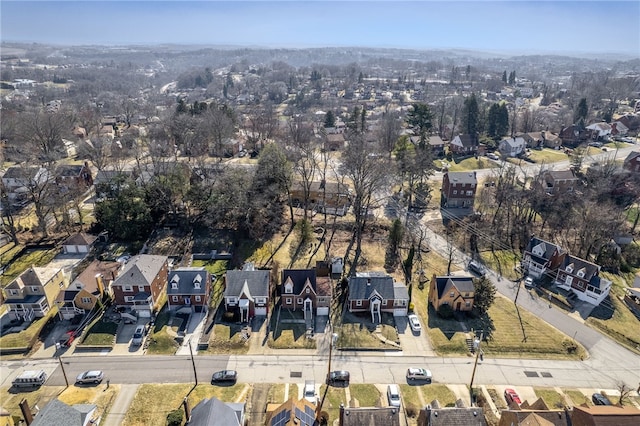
453 416
213 412
57 413
299 278
371 416
257 283
400 292
463 284
462 177
141 269
186 279
361 288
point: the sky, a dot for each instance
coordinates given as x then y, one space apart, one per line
510 26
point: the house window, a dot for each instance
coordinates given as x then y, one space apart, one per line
174 298
35 289
127 288
232 300
174 285
13 292
469 193
288 288
580 273
287 301
128 299
569 280
451 294
307 290
455 192
260 300
299 300
198 299
570 269
358 302
86 300
468 304
140 288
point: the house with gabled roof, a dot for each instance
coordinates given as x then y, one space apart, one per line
18 179
291 412
583 279
73 177
304 289
141 284
541 257
87 289
33 293
537 413
458 190
605 415
214 412
189 288
459 415
632 162
376 292
57 413
358 416
464 144
80 242
247 292
512 147
555 182
453 290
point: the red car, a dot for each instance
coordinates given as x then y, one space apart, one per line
512 396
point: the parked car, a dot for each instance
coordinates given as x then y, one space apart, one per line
340 377
224 376
30 379
493 156
393 395
421 374
477 268
414 323
512 396
600 399
596 144
93 376
528 282
309 392
138 335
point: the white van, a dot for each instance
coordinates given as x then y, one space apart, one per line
30 379
393 395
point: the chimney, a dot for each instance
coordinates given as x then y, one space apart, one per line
100 284
187 409
368 281
26 411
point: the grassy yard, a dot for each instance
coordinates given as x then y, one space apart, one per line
547 155
620 324
354 335
152 403
276 393
27 337
227 339
471 164
293 337
332 401
161 341
28 259
367 395
577 397
101 333
503 262
552 398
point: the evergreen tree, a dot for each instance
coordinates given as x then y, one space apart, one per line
419 119
512 77
360 77
471 115
580 114
330 119
504 76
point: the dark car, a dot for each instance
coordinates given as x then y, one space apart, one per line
224 376
339 377
600 399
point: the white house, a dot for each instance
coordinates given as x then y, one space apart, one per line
512 147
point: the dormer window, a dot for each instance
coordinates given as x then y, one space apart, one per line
196 281
570 269
580 273
175 281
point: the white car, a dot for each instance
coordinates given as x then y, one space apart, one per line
528 282
393 395
420 374
414 323
310 391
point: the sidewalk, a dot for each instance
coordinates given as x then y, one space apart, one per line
121 405
193 333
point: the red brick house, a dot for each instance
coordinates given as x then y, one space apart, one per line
70 177
376 293
303 289
141 284
558 181
632 162
458 190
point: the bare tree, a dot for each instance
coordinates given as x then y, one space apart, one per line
389 130
625 391
43 133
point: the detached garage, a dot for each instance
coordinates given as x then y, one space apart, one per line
78 243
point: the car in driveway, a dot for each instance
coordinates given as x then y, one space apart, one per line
340 378
393 395
309 391
600 399
511 395
493 156
93 376
414 323
528 282
224 376
419 374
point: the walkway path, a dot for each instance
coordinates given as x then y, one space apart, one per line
121 405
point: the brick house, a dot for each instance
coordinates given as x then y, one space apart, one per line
141 284
375 293
632 162
541 257
464 144
582 278
458 190
455 291
73 177
303 289
558 181
189 288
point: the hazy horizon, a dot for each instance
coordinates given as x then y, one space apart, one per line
506 27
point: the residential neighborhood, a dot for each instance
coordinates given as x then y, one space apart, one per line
319 236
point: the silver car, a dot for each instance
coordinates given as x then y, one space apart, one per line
94 376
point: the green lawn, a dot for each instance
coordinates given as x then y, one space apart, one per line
577 397
227 339
367 395
332 401
471 164
547 155
161 342
101 333
552 398
502 261
355 335
27 337
28 259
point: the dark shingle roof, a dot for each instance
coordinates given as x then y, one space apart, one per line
299 278
371 416
361 288
463 284
186 280
257 283
140 270
550 248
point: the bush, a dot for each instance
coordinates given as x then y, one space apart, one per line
175 418
445 311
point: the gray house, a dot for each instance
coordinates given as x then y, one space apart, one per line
247 292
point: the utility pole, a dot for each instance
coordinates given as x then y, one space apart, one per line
334 338
475 364
64 373
193 363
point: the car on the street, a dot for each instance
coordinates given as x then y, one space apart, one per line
493 156
600 399
224 376
528 282
512 396
477 268
414 323
419 374
92 376
340 377
309 391
596 144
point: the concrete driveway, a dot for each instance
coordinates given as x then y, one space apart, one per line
413 343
